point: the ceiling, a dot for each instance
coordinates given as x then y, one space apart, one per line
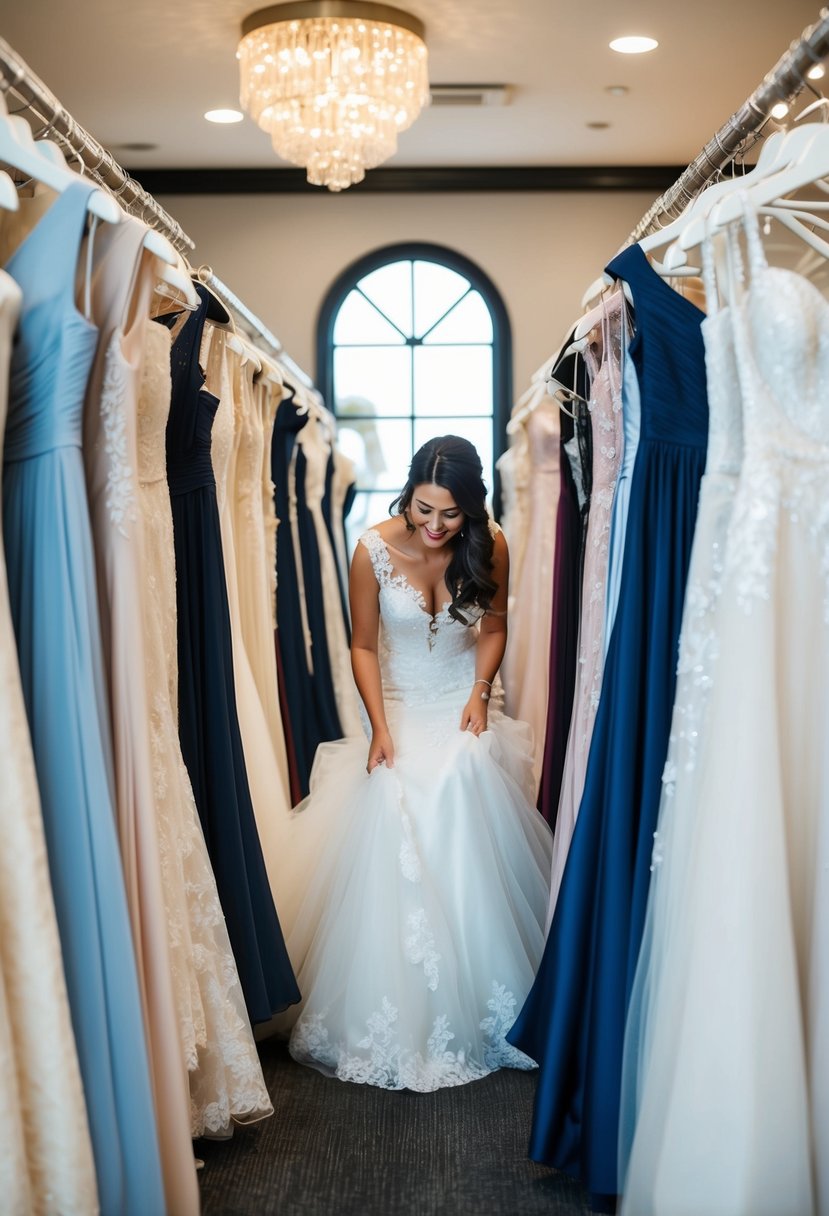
145 72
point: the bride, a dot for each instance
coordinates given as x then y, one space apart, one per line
416 885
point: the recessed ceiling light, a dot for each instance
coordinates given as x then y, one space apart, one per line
634 44
597 126
780 110
224 116
817 72
617 90
136 146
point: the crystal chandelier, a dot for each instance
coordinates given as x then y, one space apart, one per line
333 82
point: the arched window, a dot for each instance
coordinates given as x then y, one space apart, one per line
413 341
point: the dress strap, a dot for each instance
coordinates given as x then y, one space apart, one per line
379 554
709 277
756 253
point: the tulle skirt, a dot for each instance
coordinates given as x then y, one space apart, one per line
414 901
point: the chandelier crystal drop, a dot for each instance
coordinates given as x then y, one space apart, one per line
333 82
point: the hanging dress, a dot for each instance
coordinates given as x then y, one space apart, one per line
740 1075
46 1163
54 606
208 724
215 1040
573 1021
606 413
121 285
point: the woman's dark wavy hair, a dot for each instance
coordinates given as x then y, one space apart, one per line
452 462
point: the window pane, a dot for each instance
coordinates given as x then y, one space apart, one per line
477 430
453 379
390 288
436 289
380 447
469 321
373 380
359 321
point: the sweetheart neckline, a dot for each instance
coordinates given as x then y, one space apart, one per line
398 578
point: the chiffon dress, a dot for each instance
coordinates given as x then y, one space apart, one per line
54 604
737 1040
211 743
573 1021
46 1163
420 891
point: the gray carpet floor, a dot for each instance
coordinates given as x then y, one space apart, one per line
335 1149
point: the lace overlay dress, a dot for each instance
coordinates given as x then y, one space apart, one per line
420 891
217 1044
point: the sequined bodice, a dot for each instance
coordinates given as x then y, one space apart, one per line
154 404
421 656
55 345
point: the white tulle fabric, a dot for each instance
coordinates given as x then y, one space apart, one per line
417 894
732 1086
226 1082
46 1163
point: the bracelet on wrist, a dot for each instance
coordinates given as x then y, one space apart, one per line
485 694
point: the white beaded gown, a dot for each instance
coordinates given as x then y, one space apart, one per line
416 899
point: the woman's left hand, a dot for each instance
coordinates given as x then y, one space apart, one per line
473 717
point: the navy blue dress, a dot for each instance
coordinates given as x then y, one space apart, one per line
208 724
573 1021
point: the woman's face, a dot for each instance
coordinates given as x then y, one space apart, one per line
435 514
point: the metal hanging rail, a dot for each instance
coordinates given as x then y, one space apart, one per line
52 120
783 83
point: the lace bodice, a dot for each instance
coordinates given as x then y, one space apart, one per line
781 342
154 404
421 656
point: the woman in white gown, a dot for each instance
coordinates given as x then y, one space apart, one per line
416 885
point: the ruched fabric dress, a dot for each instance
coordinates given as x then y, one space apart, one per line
208 723
573 1021
54 603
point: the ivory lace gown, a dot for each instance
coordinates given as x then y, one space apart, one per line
416 920
217 1045
528 650
255 565
744 1129
269 796
121 288
46 1161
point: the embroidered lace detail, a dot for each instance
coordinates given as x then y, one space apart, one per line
386 1064
120 492
408 856
498 1053
420 947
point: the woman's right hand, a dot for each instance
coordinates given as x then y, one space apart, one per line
381 750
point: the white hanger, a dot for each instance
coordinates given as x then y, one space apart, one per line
18 149
173 270
799 159
8 195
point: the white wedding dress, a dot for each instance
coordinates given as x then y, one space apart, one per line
414 899
734 1107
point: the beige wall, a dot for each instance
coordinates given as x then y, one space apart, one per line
280 253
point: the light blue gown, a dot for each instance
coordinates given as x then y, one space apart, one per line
55 612
631 419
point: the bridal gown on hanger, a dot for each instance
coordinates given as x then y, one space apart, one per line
420 891
121 285
743 1126
54 606
46 1161
215 1039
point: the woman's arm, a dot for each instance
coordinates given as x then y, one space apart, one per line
492 641
363 594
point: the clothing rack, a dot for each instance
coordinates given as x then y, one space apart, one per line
50 119
783 83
